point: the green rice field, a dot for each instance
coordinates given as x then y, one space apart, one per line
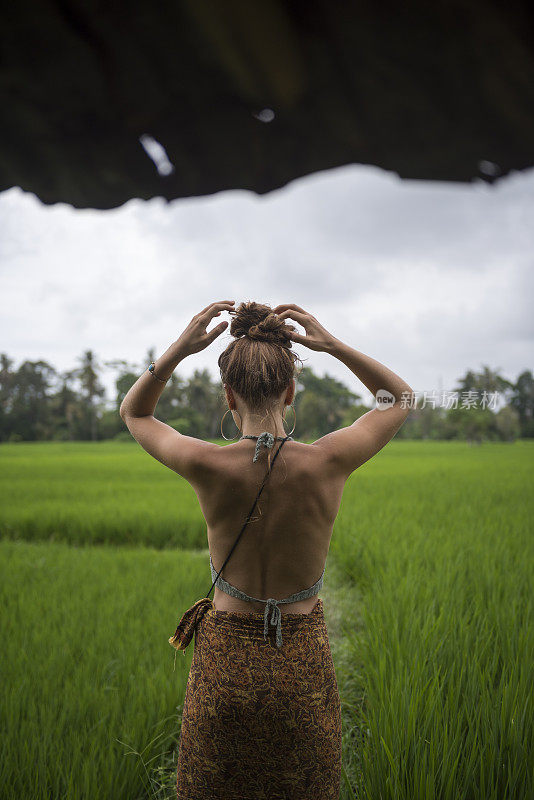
428 601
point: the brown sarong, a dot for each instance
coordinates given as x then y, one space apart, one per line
259 722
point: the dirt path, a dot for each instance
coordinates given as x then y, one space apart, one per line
342 605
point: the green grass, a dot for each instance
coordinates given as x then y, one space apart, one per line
428 601
87 670
439 538
102 493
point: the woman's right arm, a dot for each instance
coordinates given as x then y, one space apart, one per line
352 446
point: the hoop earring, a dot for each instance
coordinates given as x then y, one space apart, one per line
239 429
294 423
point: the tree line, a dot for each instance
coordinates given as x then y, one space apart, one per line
40 403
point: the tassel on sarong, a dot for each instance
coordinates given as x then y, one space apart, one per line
186 627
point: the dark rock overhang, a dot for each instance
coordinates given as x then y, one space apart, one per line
250 94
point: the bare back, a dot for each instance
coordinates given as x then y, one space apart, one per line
284 547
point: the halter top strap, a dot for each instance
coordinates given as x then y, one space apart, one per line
270 603
266 439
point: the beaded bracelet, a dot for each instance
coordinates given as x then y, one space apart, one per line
151 369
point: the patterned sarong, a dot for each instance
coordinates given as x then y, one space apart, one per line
259 722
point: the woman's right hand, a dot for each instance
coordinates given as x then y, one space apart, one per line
317 337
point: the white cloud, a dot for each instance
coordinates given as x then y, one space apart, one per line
429 278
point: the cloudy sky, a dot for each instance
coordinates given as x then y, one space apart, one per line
430 278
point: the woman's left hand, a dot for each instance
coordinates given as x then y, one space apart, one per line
195 337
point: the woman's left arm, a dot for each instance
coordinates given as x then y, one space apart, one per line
183 454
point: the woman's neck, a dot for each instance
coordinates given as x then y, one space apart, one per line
255 431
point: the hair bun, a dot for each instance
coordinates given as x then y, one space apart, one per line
258 321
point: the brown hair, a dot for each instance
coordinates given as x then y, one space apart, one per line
259 364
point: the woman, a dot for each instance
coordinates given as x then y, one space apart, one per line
261 716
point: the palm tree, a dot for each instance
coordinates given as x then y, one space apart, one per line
87 374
